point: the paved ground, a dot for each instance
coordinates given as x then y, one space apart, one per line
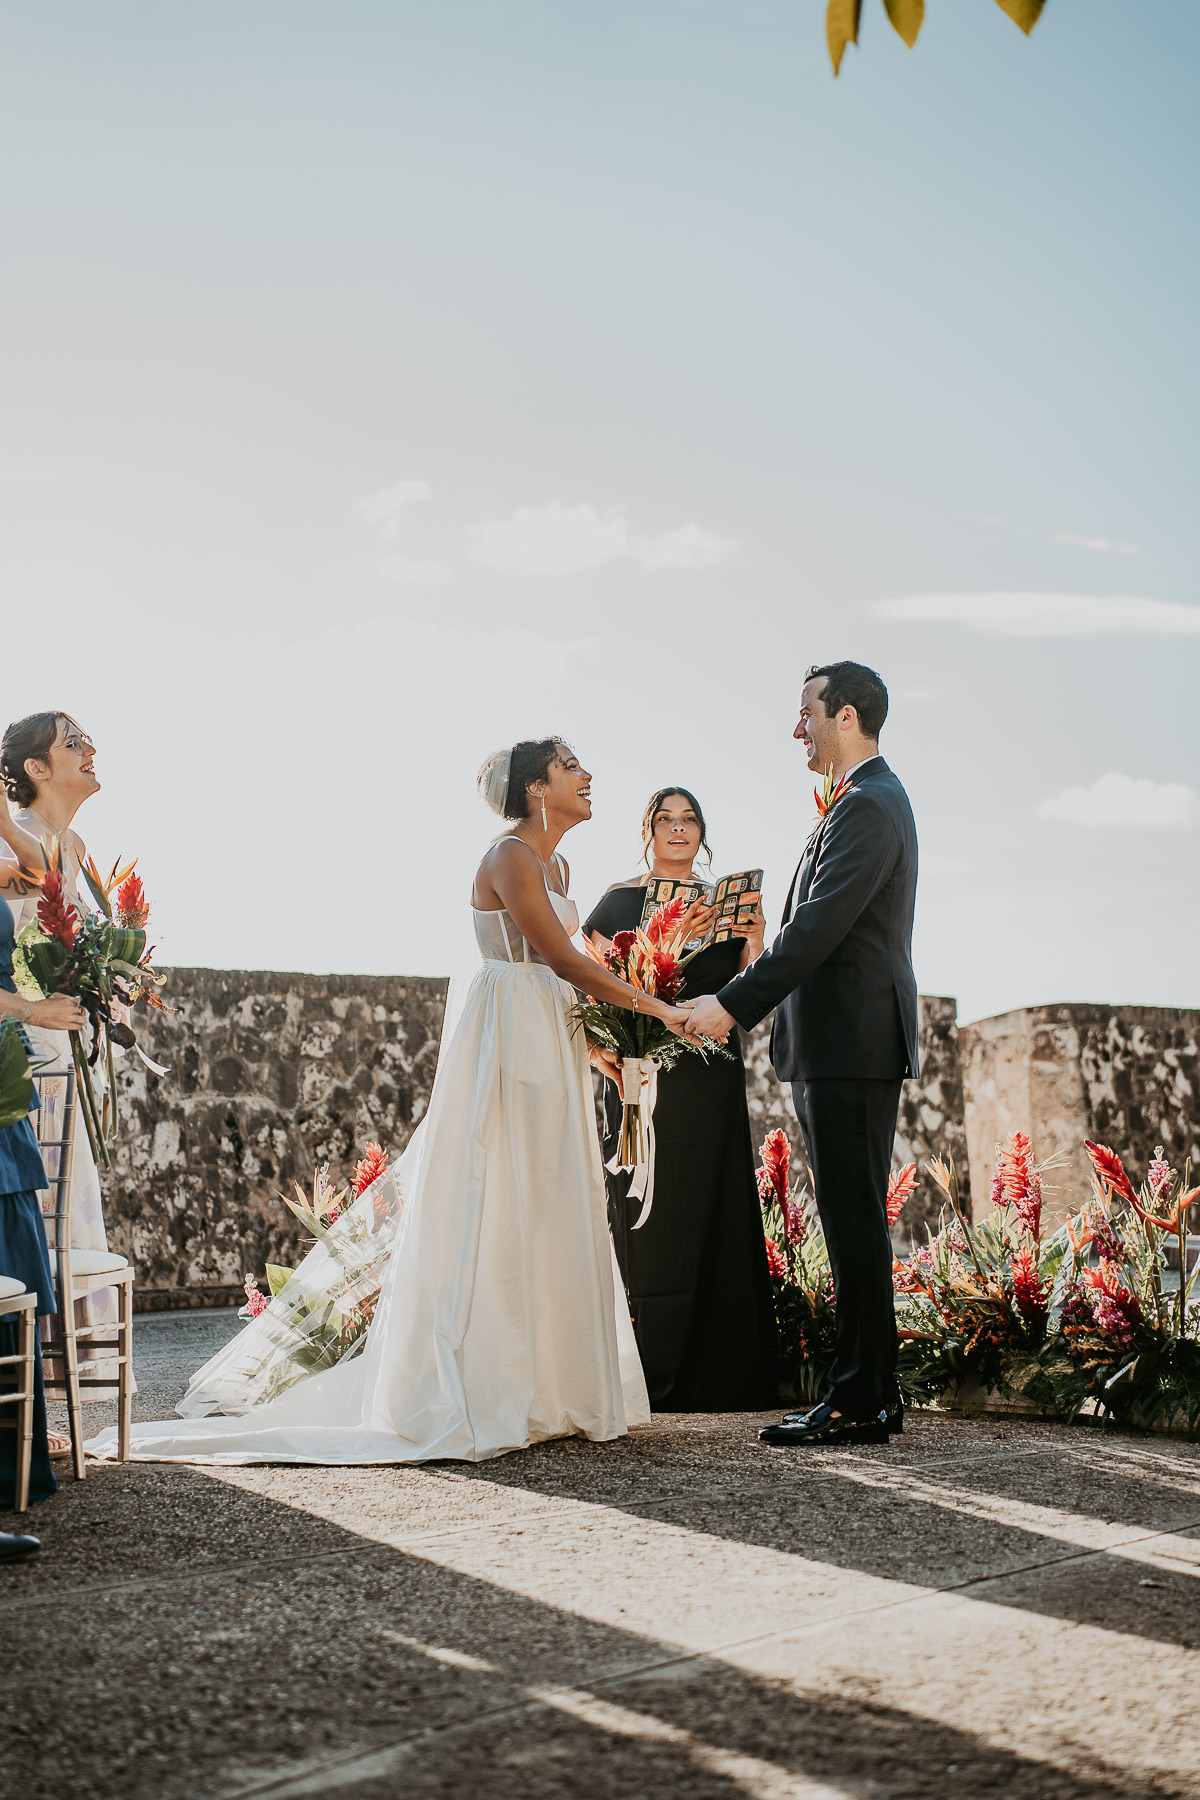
980 1609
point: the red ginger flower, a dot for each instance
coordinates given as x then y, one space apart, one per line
1028 1291
668 976
1021 1183
1110 1169
56 916
662 923
776 1156
901 1183
133 911
776 1262
372 1166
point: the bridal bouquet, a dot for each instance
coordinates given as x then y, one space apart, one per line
651 960
101 959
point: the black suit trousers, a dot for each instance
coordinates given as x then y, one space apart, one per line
849 1127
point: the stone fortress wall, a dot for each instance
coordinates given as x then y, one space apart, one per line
273 1074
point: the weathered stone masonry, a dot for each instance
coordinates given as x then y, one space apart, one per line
273 1074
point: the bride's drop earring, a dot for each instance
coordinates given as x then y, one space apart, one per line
545 826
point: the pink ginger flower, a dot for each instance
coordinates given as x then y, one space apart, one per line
1159 1174
794 1222
256 1302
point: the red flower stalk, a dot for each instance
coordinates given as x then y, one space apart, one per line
776 1156
1110 1169
1028 1292
776 1263
55 914
662 923
668 976
901 1183
133 910
372 1166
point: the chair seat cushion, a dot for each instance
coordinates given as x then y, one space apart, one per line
10 1287
96 1262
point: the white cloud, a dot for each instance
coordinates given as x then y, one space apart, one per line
384 509
688 547
1091 543
567 540
417 571
1047 615
1127 800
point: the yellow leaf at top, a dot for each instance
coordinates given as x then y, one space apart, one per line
907 18
1024 13
841 28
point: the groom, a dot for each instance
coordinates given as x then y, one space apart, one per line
840 977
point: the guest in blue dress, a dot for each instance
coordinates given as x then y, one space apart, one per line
23 1251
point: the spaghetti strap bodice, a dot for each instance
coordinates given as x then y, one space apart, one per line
499 938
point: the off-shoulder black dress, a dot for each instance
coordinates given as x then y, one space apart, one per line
696 1273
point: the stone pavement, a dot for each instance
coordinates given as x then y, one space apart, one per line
982 1608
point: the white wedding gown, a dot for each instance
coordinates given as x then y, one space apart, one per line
501 1320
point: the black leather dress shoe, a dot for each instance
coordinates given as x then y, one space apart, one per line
14 1544
823 1427
893 1414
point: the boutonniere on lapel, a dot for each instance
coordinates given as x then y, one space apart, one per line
830 792
827 797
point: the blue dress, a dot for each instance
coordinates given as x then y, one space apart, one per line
23 1255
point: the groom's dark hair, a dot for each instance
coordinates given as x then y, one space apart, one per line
853 684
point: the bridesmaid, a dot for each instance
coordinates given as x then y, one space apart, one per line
47 767
696 1272
23 1252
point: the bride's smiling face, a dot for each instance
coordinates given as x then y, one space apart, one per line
568 790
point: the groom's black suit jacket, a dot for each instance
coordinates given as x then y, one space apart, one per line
840 973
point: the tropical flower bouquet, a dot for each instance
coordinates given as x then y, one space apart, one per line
1092 1318
101 959
650 959
315 1315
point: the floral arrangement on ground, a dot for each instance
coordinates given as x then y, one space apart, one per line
1096 1318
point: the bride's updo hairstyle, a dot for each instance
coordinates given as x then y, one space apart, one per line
652 805
29 739
505 776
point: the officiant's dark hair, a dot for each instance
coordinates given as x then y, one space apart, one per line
531 761
652 805
27 739
853 684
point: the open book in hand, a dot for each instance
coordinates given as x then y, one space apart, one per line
735 897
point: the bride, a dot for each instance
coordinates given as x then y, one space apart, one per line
501 1320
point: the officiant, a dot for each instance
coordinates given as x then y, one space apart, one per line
696 1271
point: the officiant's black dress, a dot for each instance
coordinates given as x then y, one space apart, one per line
696 1273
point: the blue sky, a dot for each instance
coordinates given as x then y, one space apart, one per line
385 381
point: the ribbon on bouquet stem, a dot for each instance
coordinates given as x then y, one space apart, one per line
635 1145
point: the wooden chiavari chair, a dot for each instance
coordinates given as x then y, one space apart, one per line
15 1298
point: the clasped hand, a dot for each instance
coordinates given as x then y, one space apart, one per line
707 1018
